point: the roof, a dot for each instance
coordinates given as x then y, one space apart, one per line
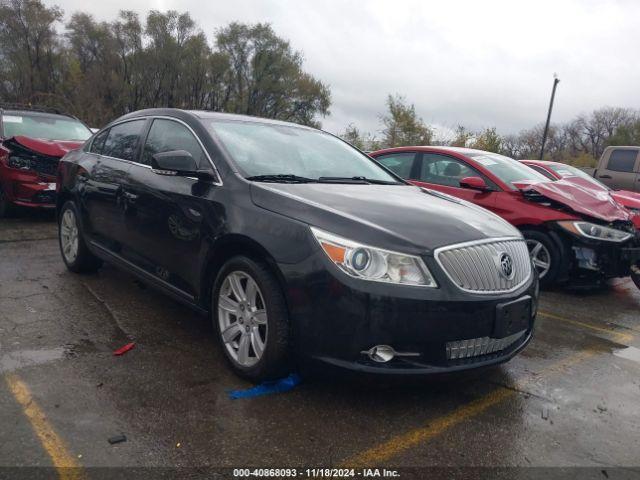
35 113
443 148
28 108
206 114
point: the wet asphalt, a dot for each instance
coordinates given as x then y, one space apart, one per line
572 398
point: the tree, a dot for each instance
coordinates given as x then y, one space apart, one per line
353 135
265 76
29 49
488 140
101 70
402 126
462 137
628 134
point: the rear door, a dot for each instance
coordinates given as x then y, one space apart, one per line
102 198
443 173
620 169
165 218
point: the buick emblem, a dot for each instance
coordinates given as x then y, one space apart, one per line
505 265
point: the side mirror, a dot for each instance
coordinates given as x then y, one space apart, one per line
474 183
178 162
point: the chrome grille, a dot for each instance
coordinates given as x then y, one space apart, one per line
476 347
476 266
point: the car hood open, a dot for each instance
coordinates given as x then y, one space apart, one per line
50 148
589 202
396 217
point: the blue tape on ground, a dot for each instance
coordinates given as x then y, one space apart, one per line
266 388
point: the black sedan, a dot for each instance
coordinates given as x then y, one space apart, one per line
299 246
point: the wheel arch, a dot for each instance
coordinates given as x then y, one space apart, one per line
563 247
229 246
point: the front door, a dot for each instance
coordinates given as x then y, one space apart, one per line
443 173
167 217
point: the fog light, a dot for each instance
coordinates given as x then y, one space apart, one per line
381 353
386 353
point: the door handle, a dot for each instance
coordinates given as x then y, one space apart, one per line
132 197
604 176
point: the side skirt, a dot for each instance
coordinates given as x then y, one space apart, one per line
159 284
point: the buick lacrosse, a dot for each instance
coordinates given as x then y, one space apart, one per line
298 246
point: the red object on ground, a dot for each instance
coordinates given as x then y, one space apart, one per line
125 349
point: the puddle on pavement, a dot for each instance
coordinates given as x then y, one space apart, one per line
630 353
26 358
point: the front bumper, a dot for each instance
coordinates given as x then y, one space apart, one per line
28 189
337 319
592 259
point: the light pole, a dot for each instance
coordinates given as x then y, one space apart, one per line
556 81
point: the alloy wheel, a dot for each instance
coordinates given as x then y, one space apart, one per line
242 318
69 235
540 257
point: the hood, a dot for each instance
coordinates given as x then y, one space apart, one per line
626 198
396 217
589 202
51 148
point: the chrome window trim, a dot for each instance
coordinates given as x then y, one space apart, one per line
439 250
139 164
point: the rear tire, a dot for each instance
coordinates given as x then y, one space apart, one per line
250 316
546 256
75 253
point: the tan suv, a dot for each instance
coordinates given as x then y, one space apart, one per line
619 168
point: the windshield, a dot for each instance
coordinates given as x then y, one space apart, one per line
570 171
48 127
507 169
261 149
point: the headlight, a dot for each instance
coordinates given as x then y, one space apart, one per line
370 263
595 231
20 163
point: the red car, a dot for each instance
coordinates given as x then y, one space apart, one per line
561 171
32 141
572 232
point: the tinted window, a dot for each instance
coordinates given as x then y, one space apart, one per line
98 142
398 163
443 170
622 160
542 171
506 169
167 135
275 149
571 171
123 140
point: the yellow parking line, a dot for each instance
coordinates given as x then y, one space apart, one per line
623 336
66 465
398 444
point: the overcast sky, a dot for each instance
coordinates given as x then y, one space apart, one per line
476 63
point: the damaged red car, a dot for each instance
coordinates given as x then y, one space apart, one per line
560 171
32 141
573 233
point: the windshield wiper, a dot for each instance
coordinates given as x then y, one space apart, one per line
356 179
281 178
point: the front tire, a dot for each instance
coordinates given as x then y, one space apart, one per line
635 274
545 255
250 315
6 208
75 254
